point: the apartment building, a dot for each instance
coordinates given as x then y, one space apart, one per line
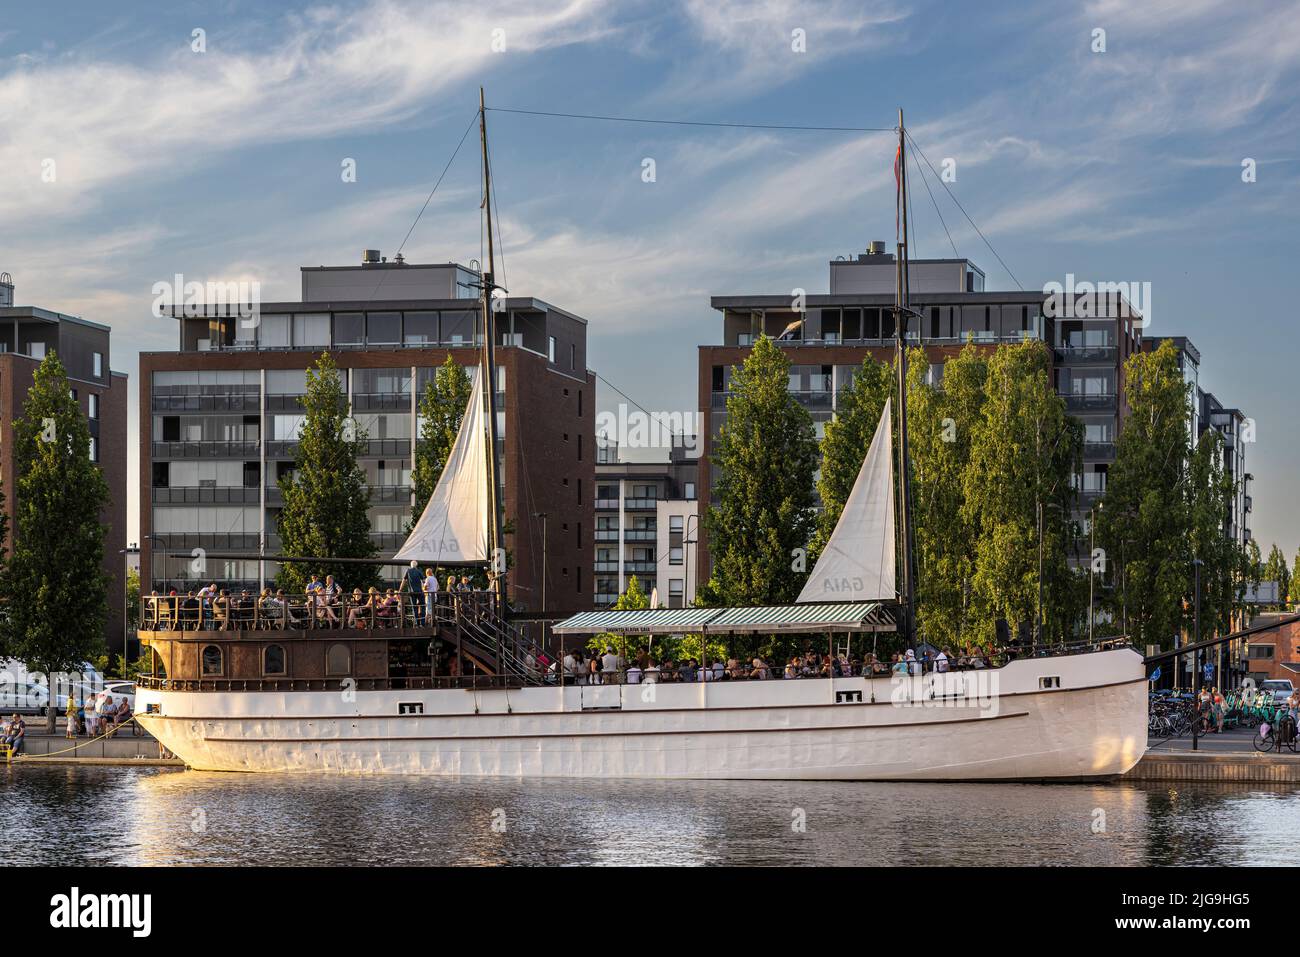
647 524
27 335
220 420
828 338
1205 413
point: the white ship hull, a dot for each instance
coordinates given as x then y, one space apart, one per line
1069 717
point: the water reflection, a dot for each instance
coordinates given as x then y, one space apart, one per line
104 815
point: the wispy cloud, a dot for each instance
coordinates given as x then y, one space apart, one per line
103 123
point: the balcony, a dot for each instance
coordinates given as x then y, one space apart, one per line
388 541
205 450
373 448
379 401
603 599
173 543
1092 402
607 534
244 402
205 495
640 504
640 535
607 504
1099 451
1087 355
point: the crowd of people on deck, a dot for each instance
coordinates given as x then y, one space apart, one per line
593 667
324 604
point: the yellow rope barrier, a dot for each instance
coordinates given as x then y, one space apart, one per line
9 754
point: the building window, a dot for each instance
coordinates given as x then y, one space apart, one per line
94 405
94 449
212 664
36 350
676 592
273 661
675 555
690 490
99 365
573 356
550 348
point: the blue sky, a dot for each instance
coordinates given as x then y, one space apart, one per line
1122 165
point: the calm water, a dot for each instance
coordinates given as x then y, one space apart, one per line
108 815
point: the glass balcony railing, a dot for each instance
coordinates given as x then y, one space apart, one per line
1091 402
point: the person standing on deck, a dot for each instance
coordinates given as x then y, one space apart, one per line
430 588
413 585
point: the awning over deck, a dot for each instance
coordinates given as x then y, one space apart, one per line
769 619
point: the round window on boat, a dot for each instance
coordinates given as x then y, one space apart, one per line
338 660
273 660
211 661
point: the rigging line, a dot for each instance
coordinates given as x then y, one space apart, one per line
926 183
383 273
439 182
964 213
653 417
739 126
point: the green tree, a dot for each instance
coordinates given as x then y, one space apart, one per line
1023 448
1294 594
325 496
764 460
442 408
1145 518
848 436
942 419
1277 570
54 581
1210 492
632 598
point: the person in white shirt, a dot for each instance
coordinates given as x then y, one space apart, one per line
634 674
705 673
430 588
609 661
718 669
941 661
652 674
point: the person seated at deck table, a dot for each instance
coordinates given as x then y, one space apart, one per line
386 608
941 661
357 613
331 590
652 674
465 585
321 607
635 674
687 670
313 585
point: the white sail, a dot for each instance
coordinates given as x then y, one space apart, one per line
454 526
857 563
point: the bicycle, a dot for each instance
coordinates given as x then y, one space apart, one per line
1274 736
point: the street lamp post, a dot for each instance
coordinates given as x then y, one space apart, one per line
1196 653
1092 548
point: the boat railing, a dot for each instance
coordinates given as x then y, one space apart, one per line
315 610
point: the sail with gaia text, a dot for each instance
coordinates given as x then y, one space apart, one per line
453 529
857 563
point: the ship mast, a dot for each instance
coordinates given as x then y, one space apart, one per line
489 378
907 591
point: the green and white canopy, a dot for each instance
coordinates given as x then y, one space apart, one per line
767 619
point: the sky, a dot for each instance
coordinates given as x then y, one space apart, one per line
1101 139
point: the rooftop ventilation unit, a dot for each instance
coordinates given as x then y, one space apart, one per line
876 247
370 257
